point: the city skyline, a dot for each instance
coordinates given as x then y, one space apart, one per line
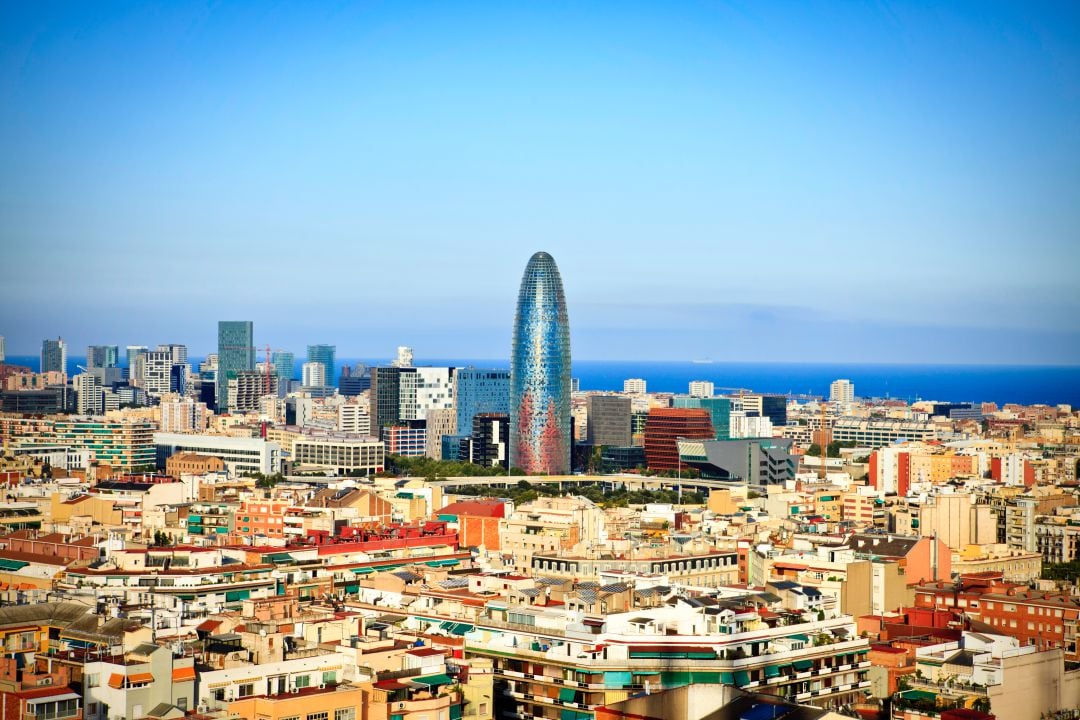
795 157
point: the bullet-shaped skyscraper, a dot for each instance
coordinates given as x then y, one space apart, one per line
540 372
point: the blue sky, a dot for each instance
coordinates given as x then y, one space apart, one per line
745 181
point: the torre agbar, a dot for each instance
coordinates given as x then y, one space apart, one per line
540 372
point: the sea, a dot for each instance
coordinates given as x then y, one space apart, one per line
1024 384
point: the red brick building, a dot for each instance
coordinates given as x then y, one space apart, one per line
1044 619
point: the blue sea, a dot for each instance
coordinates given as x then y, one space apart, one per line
1026 384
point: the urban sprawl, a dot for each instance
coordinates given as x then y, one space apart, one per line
226 540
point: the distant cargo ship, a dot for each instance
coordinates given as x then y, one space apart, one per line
703 361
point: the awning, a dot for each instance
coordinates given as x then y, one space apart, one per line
742 678
183 673
567 694
800 636
772 671
802 665
363 570
432 680
917 695
12 565
116 681
139 678
727 678
53 698
442 563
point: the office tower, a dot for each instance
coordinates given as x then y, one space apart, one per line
701 388
102 356
842 391
773 407
3 349
720 412
236 354
54 356
134 352
313 374
323 354
609 420
480 391
633 386
664 427
540 372
176 351
284 364
490 436
357 381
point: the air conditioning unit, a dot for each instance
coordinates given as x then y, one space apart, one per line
295 690
322 686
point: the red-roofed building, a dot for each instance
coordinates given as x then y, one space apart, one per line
477 521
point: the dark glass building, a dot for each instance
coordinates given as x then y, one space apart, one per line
540 372
236 354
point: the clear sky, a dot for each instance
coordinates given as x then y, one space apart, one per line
789 181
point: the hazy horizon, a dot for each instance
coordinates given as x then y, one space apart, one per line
839 182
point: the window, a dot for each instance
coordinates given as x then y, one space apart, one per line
245 690
329 677
92 680
91 709
318 716
302 681
219 694
348 713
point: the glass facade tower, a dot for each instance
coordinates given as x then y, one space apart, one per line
540 372
480 391
324 354
236 354
284 364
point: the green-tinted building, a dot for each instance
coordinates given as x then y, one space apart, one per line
324 354
284 364
236 353
719 411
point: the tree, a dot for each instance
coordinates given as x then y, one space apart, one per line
814 449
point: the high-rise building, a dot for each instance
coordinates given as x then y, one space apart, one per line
323 354
88 399
634 386
284 364
134 352
313 374
540 372
401 394
842 391
664 427
236 354
490 435
609 420
54 356
480 391
102 356
3 349
720 412
701 388
248 388
404 357
773 407
163 370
